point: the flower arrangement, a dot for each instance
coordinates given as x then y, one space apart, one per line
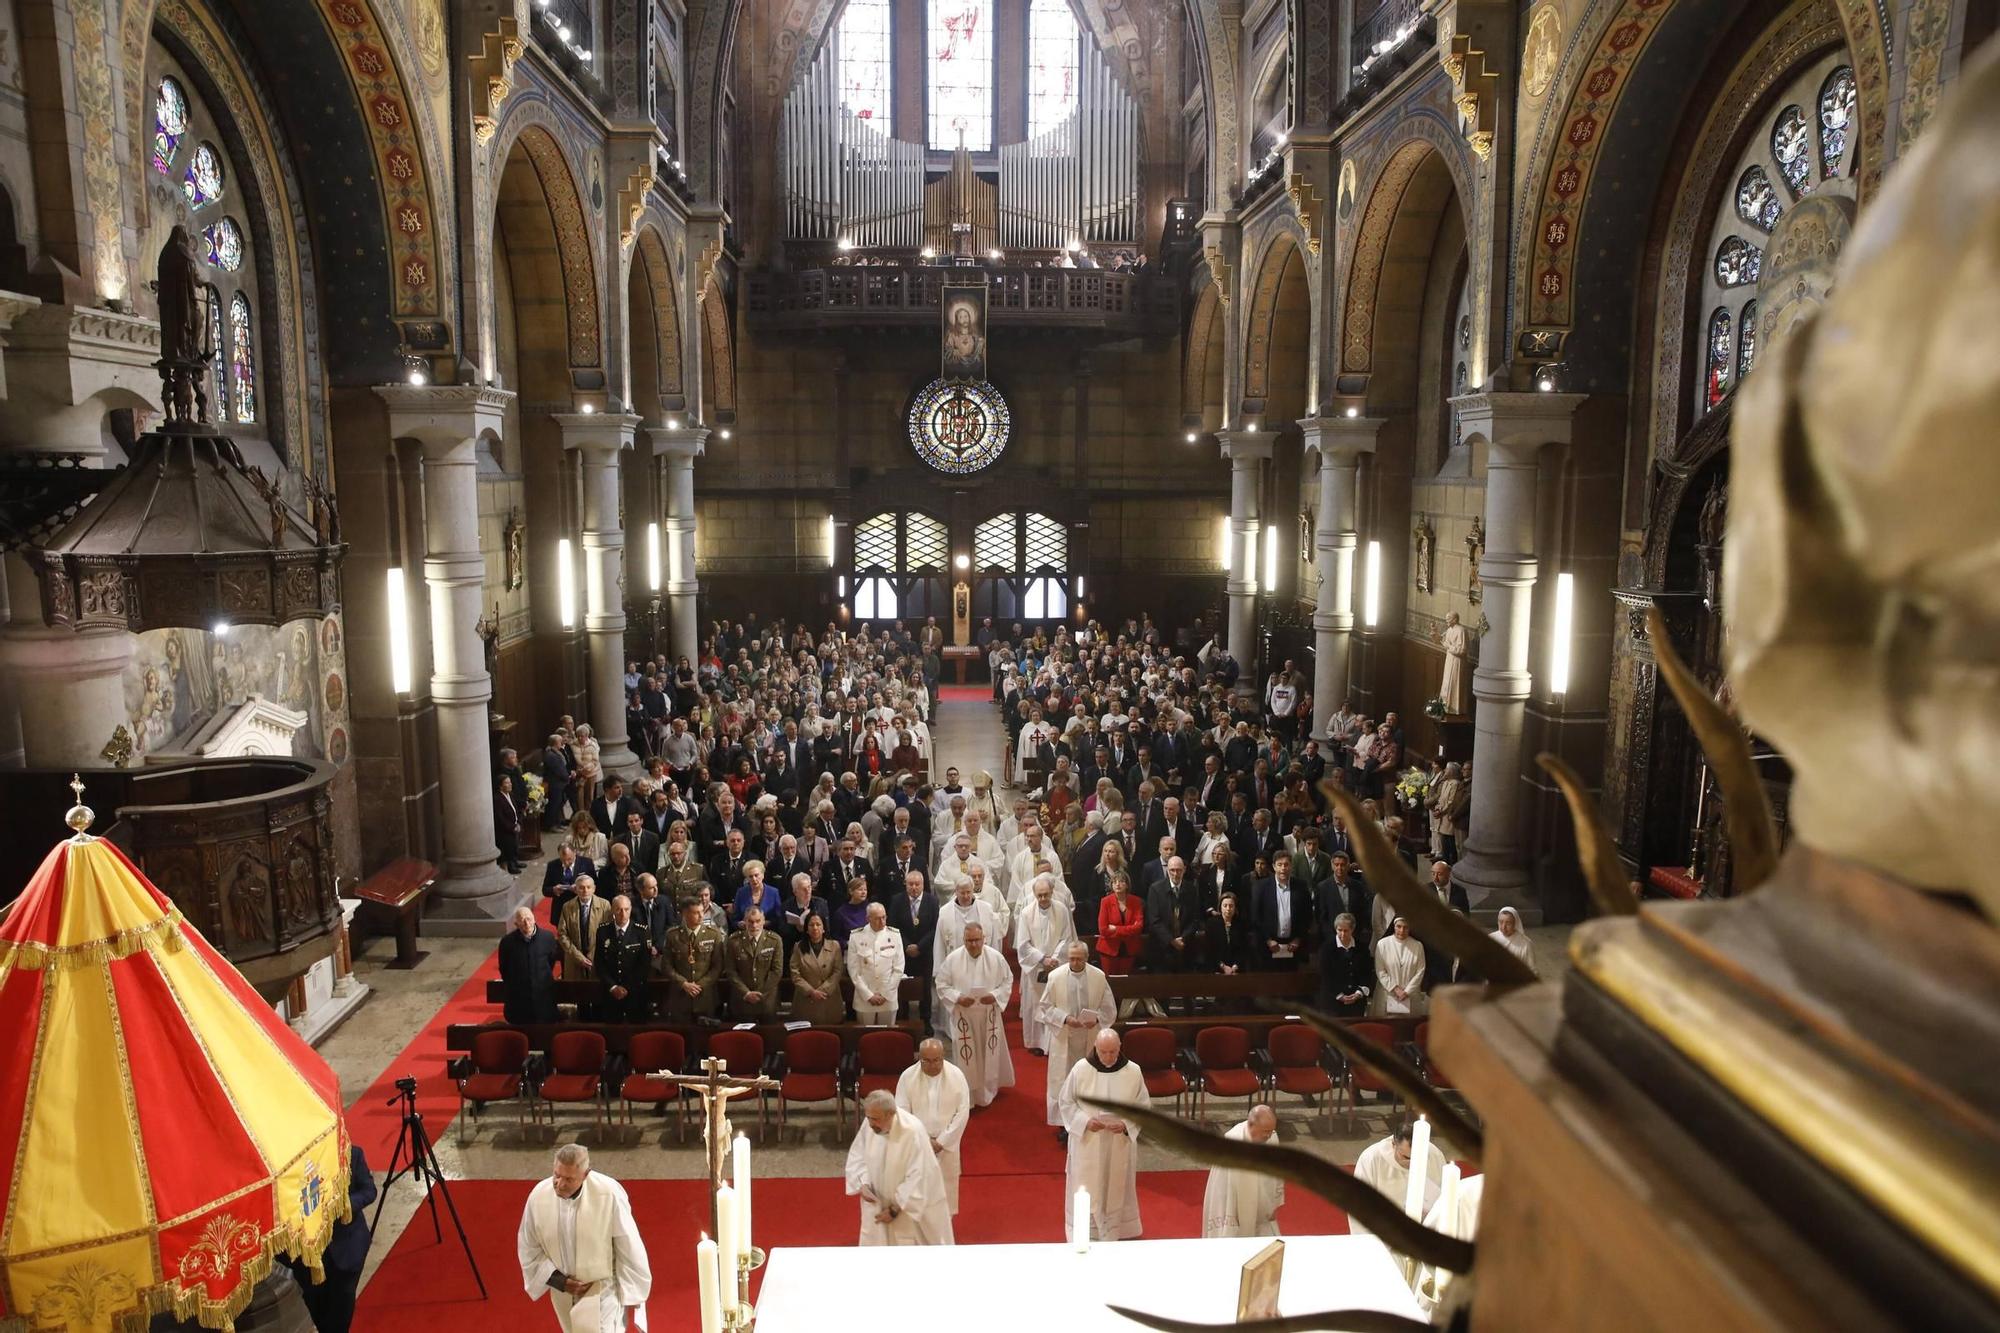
1434 710
537 798
1413 786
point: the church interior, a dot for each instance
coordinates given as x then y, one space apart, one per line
1401 566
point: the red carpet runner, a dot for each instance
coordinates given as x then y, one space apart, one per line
978 694
1012 1192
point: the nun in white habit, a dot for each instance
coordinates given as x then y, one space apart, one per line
1513 937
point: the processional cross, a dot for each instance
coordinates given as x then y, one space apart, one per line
715 1086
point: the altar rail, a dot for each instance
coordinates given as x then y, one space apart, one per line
1095 300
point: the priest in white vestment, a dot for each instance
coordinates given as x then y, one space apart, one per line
1103 1148
986 847
1243 1203
1021 868
1385 1164
974 984
894 1173
1042 933
935 1092
1399 973
1076 1002
875 964
579 1245
956 867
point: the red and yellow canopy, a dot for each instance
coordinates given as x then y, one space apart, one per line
163 1133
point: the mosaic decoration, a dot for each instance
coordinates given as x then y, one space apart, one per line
959 426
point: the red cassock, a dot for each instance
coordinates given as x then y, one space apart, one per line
1118 932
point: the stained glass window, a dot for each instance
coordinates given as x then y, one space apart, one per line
224 242
1836 113
1757 199
203 183
242 363
960 65
959 426
1721 361
170 122
217 364
866 65
1791 144
1053 41
1746 341
1737 262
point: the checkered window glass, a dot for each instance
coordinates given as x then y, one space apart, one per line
993 543
1047 543
927 542
875 543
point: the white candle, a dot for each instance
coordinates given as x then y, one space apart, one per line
1420 1165
704 1271
1080 1221
739 1178
727 1231
1448 1199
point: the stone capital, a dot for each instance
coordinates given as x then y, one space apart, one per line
1246 445
678 441
1342 436
444 417
1518 422
596 432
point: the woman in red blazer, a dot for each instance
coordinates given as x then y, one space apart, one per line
1121 920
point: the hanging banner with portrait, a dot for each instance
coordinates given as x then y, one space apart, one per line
963 312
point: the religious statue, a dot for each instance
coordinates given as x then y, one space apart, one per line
1426 554
961 612
1451 686
184 349
1475 551
1708 542
514 564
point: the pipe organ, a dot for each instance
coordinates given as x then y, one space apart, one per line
846 179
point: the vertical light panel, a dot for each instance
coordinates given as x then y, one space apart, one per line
959 62
1250 558
1223 546
399 633
831 541
1559 648
653 556
566 583
1371 599
866 68
1053 42
1271 558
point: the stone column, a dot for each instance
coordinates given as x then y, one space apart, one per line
1516 427
1246 451
600 440
1339 442
449 421
680 447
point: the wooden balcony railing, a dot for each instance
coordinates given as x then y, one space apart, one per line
1087 299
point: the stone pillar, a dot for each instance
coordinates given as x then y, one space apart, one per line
1246 451
600 440
448 421
1516 427
680 447
1339 442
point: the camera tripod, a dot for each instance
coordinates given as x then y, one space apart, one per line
414 1157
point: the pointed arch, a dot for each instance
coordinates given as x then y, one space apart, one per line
718 355
653 275
1278 327
575 239
1201 365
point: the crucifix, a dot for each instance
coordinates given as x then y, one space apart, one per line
715 1086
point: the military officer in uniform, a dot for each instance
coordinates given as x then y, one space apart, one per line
693 960
755 960
624 966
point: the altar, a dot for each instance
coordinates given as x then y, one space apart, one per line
1188 1279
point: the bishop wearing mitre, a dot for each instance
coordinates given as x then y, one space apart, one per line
1103 1147
893 1172
935 1092
1239 1202
973 986
1076 1002
579 1245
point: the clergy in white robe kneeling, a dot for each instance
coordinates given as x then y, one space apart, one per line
974 985
935 1092
1244 1203
894 1173
1103 1147
1385 1164
578 1244
1076 1002
1042 932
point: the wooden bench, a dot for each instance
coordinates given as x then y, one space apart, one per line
392 899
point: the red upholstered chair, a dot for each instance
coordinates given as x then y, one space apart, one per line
649 1054
1158 1058
576 1073
495 1071
742 1054
1222 1057
812 1074
880 1058
1358 1078
1298 1063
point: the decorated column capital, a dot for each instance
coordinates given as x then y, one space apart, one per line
444 417
1339 436
1515 422
596 432
688 442
1246 446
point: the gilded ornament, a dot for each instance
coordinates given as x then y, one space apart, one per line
118 750
1543 49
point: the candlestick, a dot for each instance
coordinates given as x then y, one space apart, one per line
1080 1221
728 1232
1420 1165
708 1275
1448 1199
740 1180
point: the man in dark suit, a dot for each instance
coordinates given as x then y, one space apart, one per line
652 912
528 957
845 867
642 842
712 825
1439 965
555 784
1150 812
1283 914
913 912
1214 786
1343 890
797 902
788 862
330 1302
608 811
1174 921
798 754
901 862
559 877
725 868
660 817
